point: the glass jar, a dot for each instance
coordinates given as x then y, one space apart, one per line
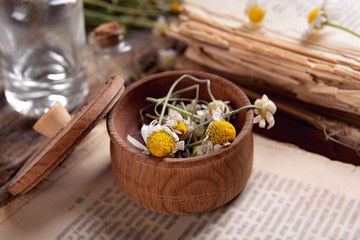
113 55
42 49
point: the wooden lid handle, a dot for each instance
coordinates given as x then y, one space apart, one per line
52 122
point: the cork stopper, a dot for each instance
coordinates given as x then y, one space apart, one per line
108 34
52 122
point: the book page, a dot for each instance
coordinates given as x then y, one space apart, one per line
287 20
291 194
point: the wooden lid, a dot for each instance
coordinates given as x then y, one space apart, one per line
59 147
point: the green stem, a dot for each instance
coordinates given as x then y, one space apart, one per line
182 104
342 28
240 109
94 18
186 113
165 104
186 89
207 81
194 144
134 11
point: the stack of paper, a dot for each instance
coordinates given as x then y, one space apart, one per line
322 69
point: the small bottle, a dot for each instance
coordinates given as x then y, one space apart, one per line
112 54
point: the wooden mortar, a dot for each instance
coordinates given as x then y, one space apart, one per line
180 186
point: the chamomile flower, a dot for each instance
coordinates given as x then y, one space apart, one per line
166 58
254 11
160 27
317 19
175 7
201 110
159 139
176 123
218 134
218 104
267 109
213 110
325 15
190 124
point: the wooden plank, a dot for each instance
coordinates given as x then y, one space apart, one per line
308 126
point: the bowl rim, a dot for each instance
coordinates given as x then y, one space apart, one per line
247 127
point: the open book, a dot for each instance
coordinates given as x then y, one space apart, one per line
291 194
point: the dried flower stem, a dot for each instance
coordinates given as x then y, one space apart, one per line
165 104
194 144
94 18
239 109
342 28
182 111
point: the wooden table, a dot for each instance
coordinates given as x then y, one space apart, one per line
18 141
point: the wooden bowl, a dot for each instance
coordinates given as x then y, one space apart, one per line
179 186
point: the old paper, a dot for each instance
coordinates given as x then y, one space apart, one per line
291 194
320 69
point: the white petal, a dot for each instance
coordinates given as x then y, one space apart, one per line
217 147
271 124
262 123
250 4
270 106
171 123
199 150
258 102
257 119
148 131
179 146
145 132
175 115
205 145
217 114
153 123
203 114
270 119
226 144
210 147
136 143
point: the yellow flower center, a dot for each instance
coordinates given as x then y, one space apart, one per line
313 15
181 127
256 14
175 7
221 132
160 144
161 28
